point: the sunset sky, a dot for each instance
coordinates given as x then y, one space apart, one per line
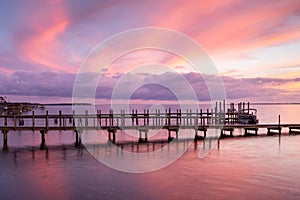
255 46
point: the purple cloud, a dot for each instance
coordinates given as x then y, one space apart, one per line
54 84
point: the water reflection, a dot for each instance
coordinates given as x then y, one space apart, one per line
235 165
107 148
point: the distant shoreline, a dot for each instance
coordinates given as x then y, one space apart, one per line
67 104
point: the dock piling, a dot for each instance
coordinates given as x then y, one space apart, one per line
5 145
43 140
78 141
33 121
60 118
47 121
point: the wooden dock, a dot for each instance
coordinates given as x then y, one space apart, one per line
199 121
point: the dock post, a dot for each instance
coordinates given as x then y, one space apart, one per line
279 128
43 140
47 121
137 118
212 117
99 115
15 122
140 135
201 118
33 121
113 132
109 135
166 117
155 119
148 117
191 117
196 118
180 117
169 117
59 118
161 119
146 135
169 135
123 118
144 117
114 136
5 146
94 121
76 138
248 107
86 118
132 118
207 117
176 117
73 119
110 118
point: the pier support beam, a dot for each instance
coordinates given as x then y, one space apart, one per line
247 129
78 142
112 131
294 130
276 128
227 129
5 146
170 129
199 137
270 132
145 139
43 140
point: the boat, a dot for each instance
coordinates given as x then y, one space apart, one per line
245 117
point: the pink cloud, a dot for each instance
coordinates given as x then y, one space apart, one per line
233 25
57 35
37 40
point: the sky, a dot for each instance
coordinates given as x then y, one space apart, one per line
254 45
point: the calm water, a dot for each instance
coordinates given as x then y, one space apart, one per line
239 168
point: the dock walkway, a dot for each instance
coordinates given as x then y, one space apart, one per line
198 121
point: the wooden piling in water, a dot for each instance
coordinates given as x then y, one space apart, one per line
5 119
43 140
78 141
112 131
277 129
5 145
248 131
225 129
141 131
